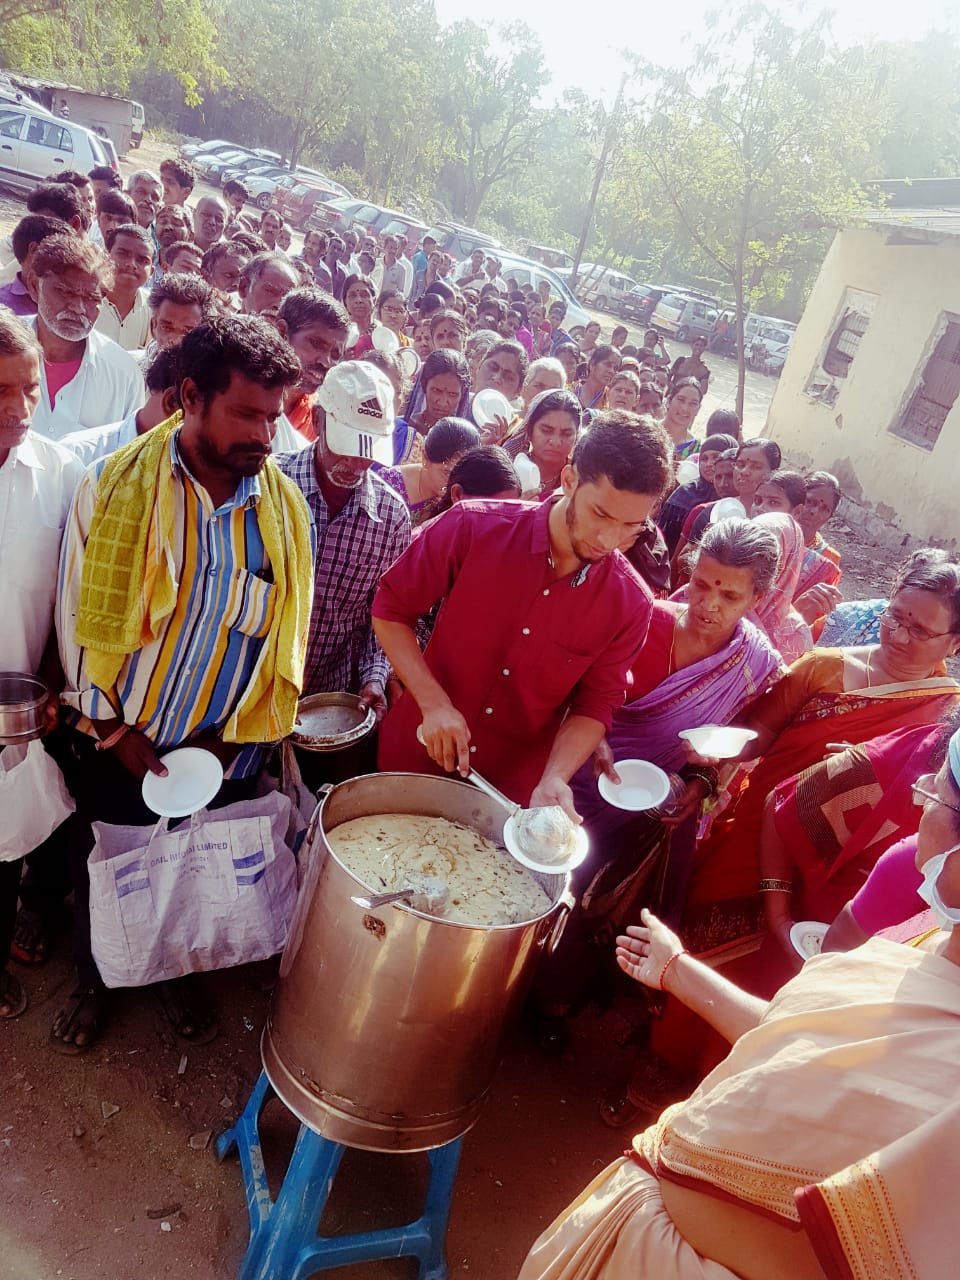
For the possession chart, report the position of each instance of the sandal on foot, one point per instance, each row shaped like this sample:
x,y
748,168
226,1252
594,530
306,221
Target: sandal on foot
x,y
617,1112
13,997
30,945
84,1014
186,1008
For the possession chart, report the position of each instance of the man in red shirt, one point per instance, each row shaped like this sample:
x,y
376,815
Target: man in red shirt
x,y
541,619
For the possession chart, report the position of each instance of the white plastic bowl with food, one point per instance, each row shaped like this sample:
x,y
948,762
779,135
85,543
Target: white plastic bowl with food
x,y
807,937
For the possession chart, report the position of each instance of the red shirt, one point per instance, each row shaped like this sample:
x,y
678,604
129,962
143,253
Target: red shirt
x,y
515,647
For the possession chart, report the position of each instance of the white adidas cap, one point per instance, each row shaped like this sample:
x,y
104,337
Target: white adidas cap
x,y
357,398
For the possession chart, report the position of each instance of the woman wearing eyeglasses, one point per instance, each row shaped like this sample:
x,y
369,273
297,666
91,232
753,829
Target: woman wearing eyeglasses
x,y
828,696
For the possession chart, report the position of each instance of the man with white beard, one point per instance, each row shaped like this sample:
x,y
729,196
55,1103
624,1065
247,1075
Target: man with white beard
x,y
87,379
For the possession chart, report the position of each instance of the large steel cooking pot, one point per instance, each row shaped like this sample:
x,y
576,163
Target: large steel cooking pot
x,y
385,1027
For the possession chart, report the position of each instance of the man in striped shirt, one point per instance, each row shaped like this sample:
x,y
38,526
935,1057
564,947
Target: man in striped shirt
x,y
184,685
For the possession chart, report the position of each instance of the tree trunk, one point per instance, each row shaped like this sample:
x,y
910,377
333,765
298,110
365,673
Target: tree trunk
x,y
741,354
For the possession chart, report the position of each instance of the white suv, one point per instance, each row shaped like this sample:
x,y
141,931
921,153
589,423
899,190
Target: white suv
x,y
35,145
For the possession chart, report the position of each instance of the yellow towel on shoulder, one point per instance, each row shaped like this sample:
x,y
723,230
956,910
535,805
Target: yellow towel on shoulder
x,y
129,586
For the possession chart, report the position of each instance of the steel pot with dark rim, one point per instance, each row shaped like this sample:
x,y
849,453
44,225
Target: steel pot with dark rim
x,y
386,1026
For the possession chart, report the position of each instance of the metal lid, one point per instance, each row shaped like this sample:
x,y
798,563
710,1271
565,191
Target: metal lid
x,y
331,721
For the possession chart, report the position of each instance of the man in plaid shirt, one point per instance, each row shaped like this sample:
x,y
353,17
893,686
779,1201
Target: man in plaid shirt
x,y
362,526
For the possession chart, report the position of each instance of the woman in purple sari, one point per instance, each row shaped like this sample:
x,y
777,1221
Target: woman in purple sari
x,y
702,663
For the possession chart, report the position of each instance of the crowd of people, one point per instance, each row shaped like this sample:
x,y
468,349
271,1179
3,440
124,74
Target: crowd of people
x,y
232,475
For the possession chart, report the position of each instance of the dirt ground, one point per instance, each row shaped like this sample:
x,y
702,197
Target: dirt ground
x,y
108,1167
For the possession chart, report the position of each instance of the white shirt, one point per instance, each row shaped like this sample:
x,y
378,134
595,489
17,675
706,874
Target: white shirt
x,y
288,439
133,332
99,442
37,484
106,388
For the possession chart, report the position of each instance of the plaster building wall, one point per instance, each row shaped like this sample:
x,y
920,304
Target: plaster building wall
x,y
887,294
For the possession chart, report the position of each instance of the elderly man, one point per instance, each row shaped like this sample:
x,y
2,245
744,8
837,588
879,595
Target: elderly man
x,y
146,192
208,651
37,482
316,328
541,620
125,314
29,233
362,526
209,221
221,267
264,283
87,379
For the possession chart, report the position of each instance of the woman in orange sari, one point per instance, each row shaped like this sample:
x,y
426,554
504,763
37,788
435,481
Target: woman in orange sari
x,y
828,695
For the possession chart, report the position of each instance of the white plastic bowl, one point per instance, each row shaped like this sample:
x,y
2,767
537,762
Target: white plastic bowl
x,y
194,777
385,339
489,405
718,741
807,937
642,786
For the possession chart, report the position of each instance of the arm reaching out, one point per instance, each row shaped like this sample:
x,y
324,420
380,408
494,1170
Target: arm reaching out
x,y
654,955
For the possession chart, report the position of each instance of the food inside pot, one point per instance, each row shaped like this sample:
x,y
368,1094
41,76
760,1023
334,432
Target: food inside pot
x,y
485,885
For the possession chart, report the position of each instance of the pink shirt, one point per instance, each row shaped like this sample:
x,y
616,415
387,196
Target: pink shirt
x,y
515,647
889,893
59,373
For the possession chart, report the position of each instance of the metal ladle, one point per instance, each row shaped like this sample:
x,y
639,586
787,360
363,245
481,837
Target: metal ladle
x,y
520,821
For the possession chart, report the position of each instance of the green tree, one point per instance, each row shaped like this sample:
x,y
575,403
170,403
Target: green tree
x,y
756,148
488,107
102,43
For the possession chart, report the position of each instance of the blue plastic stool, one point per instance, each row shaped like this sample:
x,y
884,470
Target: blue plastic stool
x,y
283,1233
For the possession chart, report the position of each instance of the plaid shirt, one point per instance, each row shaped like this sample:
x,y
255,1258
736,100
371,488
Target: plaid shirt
x,y
353,550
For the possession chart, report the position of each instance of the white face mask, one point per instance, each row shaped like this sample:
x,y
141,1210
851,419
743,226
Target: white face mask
x,y
946,916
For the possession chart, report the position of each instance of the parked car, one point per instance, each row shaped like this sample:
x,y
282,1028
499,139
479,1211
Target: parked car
x,y
406,228
337,214
602,287
525,271
35,144
212,165
684,316
547,256
641,301
756,325
270,189
194,149
303,201
249,167
460,242
768,345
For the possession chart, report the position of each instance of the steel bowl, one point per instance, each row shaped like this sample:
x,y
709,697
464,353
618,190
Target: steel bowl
x,y
22,702
331,722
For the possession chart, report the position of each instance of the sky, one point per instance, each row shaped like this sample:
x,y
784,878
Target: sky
x,y
582,41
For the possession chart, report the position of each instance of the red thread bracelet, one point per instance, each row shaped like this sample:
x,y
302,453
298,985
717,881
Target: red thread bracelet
x,y
663,971
112,739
